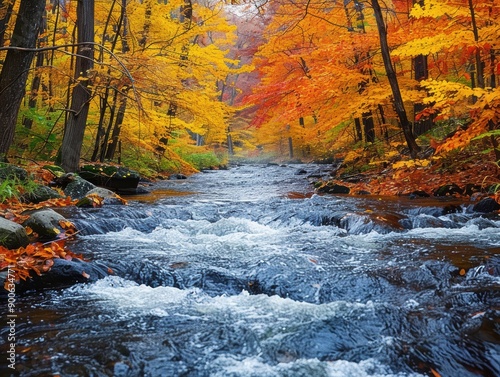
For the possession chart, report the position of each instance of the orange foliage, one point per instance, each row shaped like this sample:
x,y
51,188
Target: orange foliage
x,y
13,209
37,257
325,64
405,180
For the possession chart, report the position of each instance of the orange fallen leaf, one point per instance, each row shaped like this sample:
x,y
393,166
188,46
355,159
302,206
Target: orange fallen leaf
x,y
434,373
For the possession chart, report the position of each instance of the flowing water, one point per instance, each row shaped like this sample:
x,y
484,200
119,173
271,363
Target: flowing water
x,y
246,273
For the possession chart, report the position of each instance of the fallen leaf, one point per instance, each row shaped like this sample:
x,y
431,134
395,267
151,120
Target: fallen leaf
x,y
434,373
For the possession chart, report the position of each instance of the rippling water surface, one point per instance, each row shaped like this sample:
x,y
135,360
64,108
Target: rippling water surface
x,y
246,273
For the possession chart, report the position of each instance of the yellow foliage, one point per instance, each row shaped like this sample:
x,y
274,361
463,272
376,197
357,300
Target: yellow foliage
x,y
438,8
411,164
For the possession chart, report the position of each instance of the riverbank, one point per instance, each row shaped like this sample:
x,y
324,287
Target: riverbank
x,y
463,175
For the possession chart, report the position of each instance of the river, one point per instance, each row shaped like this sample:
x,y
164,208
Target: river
x,y
246,272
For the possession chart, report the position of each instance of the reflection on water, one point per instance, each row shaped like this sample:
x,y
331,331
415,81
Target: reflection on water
x,y
158,193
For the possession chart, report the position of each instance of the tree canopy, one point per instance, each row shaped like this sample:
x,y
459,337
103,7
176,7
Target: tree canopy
x,y
168,81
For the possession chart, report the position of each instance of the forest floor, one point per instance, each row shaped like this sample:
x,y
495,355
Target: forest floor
x,y
466,171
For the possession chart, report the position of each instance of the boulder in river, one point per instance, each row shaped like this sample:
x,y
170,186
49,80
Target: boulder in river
x,y
486,205
177,176
65,273
333,188
448,190
77,187
116,178
46,223
103,195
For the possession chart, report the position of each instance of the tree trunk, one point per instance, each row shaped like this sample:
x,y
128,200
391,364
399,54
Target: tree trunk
x,y
493,78
15,69
369,127
56,9
477,55
357,128
35,87
230,149
99,144
421,69
391,75
5,14
37,79
77,120
290,147
110,152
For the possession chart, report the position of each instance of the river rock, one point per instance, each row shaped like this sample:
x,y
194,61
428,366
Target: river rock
x,y
418,194
448,190
64,273
108,196
11,171
45,223
40,194
333,188
486,205
78,187
116,178
471,189
12,235
301,172
177,176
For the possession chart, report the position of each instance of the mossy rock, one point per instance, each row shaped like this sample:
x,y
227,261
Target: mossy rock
x,y
78,187
108,171
333,188
448,190
116,178
40,194
54,169
9,171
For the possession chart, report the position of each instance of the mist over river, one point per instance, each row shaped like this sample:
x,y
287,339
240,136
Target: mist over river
x,y
246,272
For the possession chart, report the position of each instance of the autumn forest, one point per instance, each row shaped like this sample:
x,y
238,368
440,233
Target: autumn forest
x,y
250,187
179,85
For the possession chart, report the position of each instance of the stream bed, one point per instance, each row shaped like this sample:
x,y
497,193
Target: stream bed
x,y
247,272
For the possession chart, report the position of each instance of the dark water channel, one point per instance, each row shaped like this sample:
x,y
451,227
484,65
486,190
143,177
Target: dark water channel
x,y
244,273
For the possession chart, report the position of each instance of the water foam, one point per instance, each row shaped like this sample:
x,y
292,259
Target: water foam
x,y
126,297
229,366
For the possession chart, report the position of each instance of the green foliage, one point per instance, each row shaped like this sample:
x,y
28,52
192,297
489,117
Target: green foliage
x,y
41,141
145,163
8,189
493,189
199,160
494,133
13,187
149,164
